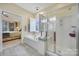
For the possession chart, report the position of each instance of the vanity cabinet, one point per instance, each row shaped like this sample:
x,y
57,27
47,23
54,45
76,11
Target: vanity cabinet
x,y
10,30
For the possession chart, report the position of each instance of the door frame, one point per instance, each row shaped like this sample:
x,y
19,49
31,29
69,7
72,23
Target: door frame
x,y
19,17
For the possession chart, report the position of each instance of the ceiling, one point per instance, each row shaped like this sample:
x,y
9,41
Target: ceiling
x,y
34,7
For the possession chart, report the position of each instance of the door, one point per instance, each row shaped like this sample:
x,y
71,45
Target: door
x,y
51,36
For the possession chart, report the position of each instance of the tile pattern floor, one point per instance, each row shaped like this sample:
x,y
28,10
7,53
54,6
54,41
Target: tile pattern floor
x,y
11,43
20,50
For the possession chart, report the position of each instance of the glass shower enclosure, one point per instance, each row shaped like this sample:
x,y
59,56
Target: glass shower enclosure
x,y
51,36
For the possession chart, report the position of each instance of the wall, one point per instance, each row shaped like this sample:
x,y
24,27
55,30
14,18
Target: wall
x,y
0,34
66,45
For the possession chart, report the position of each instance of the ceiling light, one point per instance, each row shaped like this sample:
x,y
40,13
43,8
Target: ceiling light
x,y
41,13
37,8
53,19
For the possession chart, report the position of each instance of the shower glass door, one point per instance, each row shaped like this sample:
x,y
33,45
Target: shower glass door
x,y
51,35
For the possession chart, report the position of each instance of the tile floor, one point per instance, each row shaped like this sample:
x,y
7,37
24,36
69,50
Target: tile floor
x,y
19,50
11,43
16,48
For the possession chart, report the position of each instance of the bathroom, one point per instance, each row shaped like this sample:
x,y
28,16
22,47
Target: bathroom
x,y
51,31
